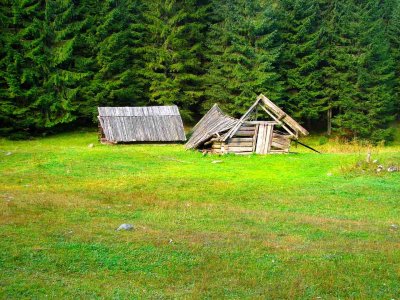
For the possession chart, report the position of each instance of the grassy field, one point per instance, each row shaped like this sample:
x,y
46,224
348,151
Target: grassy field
x,y
297,226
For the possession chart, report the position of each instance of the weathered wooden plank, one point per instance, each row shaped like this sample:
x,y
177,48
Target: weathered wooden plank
x,y
255,138
282,115
261,122
247,128
279,146
244,133
213,122
240,149
268,139
240,144
240,139
260,139
281,139
138,111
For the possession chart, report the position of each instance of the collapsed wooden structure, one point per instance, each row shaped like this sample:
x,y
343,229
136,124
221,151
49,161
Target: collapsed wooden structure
x,y
140,124
219,133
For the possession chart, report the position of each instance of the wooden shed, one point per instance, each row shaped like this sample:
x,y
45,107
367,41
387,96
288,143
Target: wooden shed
x,y
140,124
219,133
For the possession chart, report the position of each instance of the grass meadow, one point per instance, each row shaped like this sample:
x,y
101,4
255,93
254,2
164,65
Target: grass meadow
x,y
296,226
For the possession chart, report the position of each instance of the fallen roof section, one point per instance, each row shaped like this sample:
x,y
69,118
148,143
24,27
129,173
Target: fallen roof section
x,y
214,122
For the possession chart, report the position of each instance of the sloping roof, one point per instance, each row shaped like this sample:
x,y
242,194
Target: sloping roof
x,y
142,124
139,111
275,112
213,122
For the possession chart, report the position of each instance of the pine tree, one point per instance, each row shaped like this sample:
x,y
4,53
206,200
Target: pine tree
x,y
23,64
173,52
392,16
366,96
43,69
242,53
6,78
119,57
300,63
68,67
338,58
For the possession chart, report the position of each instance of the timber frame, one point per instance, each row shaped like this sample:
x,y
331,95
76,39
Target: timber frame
x,y
219,133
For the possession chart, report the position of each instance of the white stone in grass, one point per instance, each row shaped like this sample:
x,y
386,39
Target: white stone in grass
x,y
394,226
217,161
393,169
375,161
329,174
8,153
125,227
91,145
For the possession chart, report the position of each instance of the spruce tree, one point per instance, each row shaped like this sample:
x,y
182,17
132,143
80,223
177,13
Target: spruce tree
x,y
23,65
366,96
392,16
300,63
119,80
173,52
69,61
242,53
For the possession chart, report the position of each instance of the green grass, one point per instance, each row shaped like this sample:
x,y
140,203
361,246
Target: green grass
x,y
297,226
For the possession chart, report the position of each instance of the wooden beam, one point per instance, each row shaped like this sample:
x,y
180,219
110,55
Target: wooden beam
x,y
282,115
279,122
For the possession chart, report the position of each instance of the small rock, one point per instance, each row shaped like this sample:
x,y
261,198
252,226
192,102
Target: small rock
x,y
171,241
217,161
91,145
329,174
8,153
125,227
394,226
375,161
379,168
393,169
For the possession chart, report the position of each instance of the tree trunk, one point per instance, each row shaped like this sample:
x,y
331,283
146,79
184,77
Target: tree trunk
x,y
329,122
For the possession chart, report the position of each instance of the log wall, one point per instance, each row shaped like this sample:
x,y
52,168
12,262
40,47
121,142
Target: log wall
x,y
244,142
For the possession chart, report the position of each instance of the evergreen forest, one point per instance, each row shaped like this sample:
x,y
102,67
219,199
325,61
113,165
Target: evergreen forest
x,y
334,65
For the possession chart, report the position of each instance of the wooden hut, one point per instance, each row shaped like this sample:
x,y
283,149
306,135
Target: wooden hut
x,y
219,133
140,124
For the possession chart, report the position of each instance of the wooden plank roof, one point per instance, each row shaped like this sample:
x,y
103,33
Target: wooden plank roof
x,y
139,111
142,124
215,121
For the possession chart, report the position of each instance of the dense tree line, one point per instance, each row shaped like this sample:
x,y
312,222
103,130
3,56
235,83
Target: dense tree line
x,y
333,64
